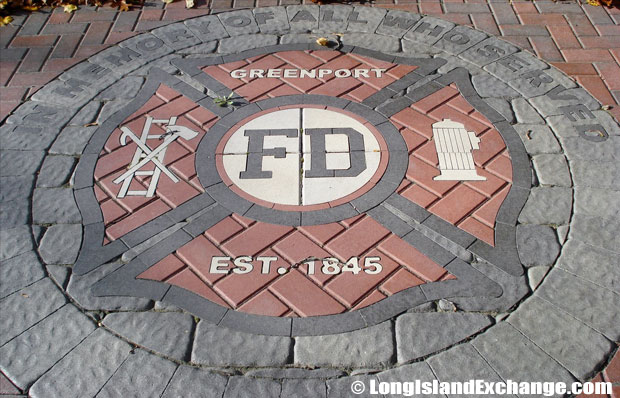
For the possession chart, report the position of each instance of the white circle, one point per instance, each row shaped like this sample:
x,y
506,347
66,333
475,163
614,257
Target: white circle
x,y
274,165
282,270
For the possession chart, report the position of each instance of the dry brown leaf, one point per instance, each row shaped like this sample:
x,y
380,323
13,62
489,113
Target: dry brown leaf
x,y
6,20
322,41
69,7
189,3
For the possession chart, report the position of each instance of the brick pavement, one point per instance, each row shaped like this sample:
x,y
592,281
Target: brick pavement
x,y
579,39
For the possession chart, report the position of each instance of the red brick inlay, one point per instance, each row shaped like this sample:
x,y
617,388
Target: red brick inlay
x,y
235,242
470,205
351,88
122,215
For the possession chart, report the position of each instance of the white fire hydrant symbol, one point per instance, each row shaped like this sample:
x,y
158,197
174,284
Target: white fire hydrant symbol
x,y
454,145
145,154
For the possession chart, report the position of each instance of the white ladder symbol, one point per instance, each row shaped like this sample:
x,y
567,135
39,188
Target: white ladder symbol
x,y
145,154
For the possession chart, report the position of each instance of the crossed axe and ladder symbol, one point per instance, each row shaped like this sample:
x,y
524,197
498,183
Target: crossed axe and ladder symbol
x,y
145,154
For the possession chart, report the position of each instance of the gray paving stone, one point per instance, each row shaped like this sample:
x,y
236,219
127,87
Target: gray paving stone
x,y
15,241
237,348
562,231
537,139
396,23
61,244
14,213
303,18
241,22
596,202
564,127
15,188
525,113
578,297
417,371
502,107
30,355
552,169
334,18
537,245
366,347
591,173
515,64
176,36
535,276
59,273
17,163
207,28
112,57
596,231
459,39
551,103
554,331
199,50
110,108
514,289
341,387
456,62
241,43
372,42
126,88
141,375
603,151
74,94
490,86
98,356
295,373
165,332
54,206
594,264
189,382
526,359
488,51
429,31
271,19
304,388
38,114
19,272
462,363
72,140
547,205
55,172
243,387
443,330
79,288
27,307
163,63
26,138
87,114
365,19
538,82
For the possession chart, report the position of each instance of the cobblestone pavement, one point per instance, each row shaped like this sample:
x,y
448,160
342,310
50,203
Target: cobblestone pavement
x,y
417,200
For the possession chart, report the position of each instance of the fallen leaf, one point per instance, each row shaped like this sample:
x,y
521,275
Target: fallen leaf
x,y
167,1
6,20
91,124
30,8
69,7
123,6
593,3
25,295
606,107
189,3
322,41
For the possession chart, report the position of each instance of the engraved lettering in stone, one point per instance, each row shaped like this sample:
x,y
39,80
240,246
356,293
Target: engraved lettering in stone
x,y
256,151
537,77
238,21
43,114
328,16
454,146
592,132
456,38
303,15
144,154
178,35
512,63
94,71
72,87
426,27
399,22
124,55
578,111
149,44
354,17
203,27
490,51
559,93
357,157
263,17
